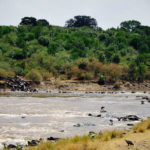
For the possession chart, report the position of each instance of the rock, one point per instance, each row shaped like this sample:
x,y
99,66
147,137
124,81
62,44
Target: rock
x,y
145,97
142,102
35,90
11,146
103,111
116,86
89,124
33,142
77,125
130,124
23,117
102,92
52,139
129,118
148,100
99,115
90,114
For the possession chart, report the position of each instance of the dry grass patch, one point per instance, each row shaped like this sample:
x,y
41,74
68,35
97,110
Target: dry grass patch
x,y
142,126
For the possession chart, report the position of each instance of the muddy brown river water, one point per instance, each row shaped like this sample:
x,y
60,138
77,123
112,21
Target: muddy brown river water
x,y
25,117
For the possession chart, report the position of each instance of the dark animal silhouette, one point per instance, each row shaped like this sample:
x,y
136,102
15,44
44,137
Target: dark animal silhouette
x,y
129,142
111,122
52,139
102,108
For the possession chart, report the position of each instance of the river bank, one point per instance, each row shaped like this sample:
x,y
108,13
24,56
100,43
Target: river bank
x,y
138,138
71,85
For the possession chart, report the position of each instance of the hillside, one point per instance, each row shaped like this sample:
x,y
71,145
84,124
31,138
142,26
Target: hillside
x,y
39,52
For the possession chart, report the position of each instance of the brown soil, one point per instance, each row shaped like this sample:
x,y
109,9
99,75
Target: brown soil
x,y
74,85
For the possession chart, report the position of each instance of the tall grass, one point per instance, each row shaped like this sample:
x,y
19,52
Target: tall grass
x,y
142,126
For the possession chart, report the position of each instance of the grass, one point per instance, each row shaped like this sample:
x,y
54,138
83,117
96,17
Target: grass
x,y
142,126
109,140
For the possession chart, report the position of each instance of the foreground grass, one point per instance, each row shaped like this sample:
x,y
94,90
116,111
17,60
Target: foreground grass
x,y
109,140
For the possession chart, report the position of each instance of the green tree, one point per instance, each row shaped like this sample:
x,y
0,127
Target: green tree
x,y
80,21
42,22
141,70
53,48
43,40
28,21
130,25
116,59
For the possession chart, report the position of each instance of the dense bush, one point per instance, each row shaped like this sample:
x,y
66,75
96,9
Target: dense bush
x,y
3,73
34,75
43,40
101,80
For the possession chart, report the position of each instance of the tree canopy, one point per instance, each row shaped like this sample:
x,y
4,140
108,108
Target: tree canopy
x,y
130,25
80,21
28,21
33,21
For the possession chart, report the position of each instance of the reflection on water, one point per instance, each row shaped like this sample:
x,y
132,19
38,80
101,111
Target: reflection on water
x,y
31,118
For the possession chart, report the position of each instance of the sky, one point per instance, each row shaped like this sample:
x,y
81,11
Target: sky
x,y
108,13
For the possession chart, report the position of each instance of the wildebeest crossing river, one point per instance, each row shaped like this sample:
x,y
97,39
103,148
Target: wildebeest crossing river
x,y
65,115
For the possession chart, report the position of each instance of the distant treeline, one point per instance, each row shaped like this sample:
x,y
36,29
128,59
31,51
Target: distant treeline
x,y
80,50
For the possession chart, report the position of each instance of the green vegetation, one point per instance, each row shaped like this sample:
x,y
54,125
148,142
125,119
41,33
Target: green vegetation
x,y
80,50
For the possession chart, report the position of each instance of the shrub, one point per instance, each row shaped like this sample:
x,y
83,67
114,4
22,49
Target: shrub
x,y
46,75
113,72
116,85
3,74
43,40
34,76
89,76
101,80
78,73
82,65
116,59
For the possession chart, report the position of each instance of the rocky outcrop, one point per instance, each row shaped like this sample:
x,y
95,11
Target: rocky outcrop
x,y
52,139
33,142
129,118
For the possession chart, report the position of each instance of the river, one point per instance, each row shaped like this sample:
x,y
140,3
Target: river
x,y
24,118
